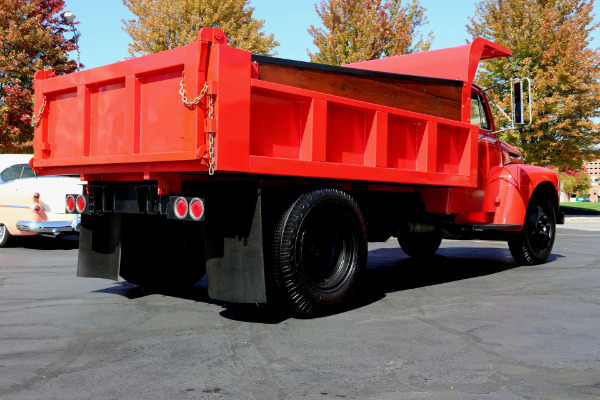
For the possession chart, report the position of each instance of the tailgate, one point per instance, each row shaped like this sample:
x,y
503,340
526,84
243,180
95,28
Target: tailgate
x,y
131,112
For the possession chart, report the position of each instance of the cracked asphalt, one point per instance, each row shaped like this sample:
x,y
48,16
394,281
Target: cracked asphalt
x,y
468,324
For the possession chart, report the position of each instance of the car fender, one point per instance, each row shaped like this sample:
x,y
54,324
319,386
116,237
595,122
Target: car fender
x,y
19,205
516,186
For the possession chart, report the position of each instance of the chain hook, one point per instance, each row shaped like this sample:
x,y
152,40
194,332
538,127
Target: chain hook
x,y
211,115
186,101
35,120
211,138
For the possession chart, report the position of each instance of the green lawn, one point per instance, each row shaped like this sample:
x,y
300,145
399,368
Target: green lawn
x,y
587,206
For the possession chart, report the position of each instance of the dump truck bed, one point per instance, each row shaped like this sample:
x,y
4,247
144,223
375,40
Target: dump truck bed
x,y
127,121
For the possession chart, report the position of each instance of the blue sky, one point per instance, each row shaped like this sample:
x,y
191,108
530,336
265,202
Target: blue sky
x,y
103,41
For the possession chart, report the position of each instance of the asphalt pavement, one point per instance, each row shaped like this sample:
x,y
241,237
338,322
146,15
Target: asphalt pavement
x,y
467,324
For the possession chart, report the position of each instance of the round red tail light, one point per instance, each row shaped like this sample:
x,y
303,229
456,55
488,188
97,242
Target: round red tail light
x,y
70,204
80,204
36,196
181,208
37,208
196,209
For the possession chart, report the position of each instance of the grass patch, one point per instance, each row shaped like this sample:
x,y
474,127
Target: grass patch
x,y
583,205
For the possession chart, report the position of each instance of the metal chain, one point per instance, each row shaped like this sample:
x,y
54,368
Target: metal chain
x,y
186,101
211,115
211,108
211,138
35,121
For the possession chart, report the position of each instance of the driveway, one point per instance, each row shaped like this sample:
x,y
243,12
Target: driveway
x,y
468,324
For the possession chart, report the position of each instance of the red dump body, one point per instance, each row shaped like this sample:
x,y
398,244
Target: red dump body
x,y
128,119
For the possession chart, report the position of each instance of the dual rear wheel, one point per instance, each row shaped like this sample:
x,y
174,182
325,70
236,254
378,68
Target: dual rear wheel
x,y
320,251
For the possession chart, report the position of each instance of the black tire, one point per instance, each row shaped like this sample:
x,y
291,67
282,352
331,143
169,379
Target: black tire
x,y
533,244
420,244
320,251
4,235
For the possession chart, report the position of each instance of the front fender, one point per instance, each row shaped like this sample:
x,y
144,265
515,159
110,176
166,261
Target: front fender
x,y
516,186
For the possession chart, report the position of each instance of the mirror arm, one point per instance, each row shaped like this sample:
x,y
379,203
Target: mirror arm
x,y
530,101
494,87
503,113
513,126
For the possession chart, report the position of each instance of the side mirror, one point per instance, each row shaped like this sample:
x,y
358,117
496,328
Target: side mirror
x,y
518,88
517,105
520,103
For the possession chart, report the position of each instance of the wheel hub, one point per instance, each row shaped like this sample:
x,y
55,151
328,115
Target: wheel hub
x,y
324,256
541,231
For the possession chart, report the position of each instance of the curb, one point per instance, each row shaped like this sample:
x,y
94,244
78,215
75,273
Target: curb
x,y
582,218
579,212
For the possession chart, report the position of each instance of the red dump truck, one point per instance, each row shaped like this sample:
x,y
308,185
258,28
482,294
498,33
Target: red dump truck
x,y
270,176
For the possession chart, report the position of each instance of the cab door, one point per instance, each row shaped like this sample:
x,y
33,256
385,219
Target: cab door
x,y
479,202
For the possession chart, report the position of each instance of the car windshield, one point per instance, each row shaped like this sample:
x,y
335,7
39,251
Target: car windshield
x,y
17,171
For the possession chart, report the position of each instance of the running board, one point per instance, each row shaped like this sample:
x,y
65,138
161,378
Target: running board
x,y
489,227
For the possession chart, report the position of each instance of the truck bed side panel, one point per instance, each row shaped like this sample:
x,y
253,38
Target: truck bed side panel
x,y
309,133
123,113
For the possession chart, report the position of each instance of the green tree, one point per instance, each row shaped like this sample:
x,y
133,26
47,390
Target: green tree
x,y
32,38
360,30
575,182
550,40
166,24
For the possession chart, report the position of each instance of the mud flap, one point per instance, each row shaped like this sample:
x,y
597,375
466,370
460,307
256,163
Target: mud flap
x,y
99,246
234,258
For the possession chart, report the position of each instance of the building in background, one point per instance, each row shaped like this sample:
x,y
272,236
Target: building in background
x,y
593,168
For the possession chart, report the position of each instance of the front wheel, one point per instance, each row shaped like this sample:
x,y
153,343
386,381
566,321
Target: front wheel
x,y
4,235
533,244
320,251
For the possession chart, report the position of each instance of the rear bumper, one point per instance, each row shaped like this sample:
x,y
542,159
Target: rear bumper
x,y
50,227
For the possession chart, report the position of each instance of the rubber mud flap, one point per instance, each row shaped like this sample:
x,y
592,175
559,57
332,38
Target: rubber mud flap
x,y
99,246
234,254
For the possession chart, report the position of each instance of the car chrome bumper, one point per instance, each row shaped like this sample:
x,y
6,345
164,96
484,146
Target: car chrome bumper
x,y
50,227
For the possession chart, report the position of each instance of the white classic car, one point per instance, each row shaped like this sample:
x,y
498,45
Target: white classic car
x,y
30,204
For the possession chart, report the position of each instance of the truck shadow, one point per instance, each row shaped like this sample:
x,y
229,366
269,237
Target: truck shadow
x,y
40,242
389,270
198,292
